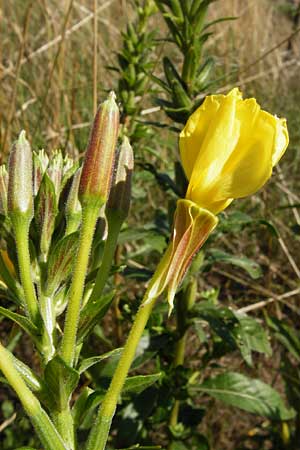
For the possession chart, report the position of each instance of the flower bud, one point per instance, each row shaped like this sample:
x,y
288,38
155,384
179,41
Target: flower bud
x,y
192,226
20,189
55,171
45,213
99,158
40,164
3,189
73,206
120,193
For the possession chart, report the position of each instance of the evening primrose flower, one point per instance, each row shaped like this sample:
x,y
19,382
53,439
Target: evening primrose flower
x,y
228,149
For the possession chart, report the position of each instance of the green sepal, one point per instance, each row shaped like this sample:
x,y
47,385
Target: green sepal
x,y
61,380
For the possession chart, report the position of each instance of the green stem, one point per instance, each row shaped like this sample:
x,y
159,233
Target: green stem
x,y
89,218
99,433
114,226
21,232
45,429
65,425
184,304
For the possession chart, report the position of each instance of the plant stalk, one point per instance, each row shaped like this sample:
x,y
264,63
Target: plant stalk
x,y
21,232
45,429
89,219
184,304
99,433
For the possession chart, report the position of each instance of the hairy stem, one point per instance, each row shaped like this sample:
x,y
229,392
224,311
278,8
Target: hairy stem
x,y
45,429
89,218
21,231
99,434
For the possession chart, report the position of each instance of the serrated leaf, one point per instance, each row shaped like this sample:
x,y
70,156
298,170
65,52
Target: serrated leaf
x,y
61,380
89,362
60,262
251,395
251,267
139,383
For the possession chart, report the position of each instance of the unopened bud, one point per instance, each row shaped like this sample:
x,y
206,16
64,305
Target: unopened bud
x,y
99,158
73,206
45,214
55,171
40,164
20,189
120,193
3,190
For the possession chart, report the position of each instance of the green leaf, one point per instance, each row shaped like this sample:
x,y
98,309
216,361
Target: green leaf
x,y
237,330
61,380
286,335
60,262
251,395
139,383
92,313
22,321
251,267
89,362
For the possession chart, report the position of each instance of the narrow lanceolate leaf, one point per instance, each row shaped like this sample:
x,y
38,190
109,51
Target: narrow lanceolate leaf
x,y
250,266
20,192
61,380
139,383
60,262
99,158
89,362
92,313
45,212
22,321
252,395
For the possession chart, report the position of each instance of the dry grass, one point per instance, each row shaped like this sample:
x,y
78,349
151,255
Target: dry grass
x,y
50,69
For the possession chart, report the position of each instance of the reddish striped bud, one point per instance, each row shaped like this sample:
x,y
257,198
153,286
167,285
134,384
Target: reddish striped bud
x,y
99,158
20,187
120,193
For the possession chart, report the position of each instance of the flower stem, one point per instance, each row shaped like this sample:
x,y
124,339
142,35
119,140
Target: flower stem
x,y
99,433
45,429
89,218
21,232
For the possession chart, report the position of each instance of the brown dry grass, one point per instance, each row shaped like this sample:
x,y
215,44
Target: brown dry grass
x,y
47,57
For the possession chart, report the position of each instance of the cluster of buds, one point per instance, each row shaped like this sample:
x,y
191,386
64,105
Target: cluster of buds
x,y
54,191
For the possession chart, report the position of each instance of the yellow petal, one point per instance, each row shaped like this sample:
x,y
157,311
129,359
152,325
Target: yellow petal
x,y
281,140
192,135
218,144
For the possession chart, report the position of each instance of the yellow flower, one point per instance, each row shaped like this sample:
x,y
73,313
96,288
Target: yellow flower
x,y
228,148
